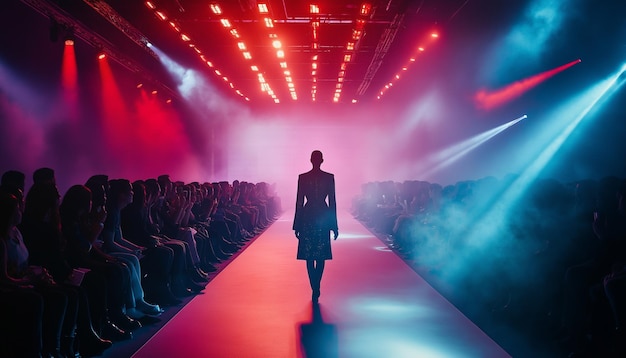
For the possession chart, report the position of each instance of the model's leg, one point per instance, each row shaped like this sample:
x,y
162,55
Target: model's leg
x,y
319,269
310,269
316,279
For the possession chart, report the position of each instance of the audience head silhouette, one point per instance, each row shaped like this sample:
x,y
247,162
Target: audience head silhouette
x,y
44,175
13,179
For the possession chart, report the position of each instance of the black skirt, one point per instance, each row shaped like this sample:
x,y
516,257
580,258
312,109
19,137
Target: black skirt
x,y
314,243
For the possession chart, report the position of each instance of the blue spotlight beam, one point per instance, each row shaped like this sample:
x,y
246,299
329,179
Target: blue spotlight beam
x,y
490,226
450,155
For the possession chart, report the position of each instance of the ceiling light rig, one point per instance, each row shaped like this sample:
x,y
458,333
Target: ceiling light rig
x,y
186,39
351,47
245,52
434,35
315,46
280,52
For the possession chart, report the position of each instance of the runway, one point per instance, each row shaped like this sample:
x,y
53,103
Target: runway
x,y
372,305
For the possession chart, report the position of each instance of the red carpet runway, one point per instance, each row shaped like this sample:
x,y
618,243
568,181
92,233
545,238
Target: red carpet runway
x,y
372,305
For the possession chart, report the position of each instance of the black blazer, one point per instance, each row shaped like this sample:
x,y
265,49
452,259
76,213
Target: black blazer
x,y
316,186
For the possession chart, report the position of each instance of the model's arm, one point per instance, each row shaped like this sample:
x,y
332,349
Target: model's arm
x,y
332,204
299,205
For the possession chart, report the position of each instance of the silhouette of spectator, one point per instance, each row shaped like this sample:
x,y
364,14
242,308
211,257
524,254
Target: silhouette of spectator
x,y
158,259
119,196
13,179
80,231
41,228
185,279
16,271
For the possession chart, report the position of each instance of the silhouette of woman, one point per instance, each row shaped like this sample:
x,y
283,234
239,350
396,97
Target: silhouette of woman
x,y
315,219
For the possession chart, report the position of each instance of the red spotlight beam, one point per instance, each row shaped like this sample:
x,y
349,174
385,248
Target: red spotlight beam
x,y
69,81
490,100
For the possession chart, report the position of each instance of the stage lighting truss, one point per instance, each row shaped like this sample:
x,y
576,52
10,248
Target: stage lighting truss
x,y
61,20
277,45
314,10
433,36
234,32
174,26
351,47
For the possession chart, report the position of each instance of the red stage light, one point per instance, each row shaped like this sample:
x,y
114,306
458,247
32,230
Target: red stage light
x,y
262,8
150,5
216,9
161,15
365,9
489,100
102,56
314,9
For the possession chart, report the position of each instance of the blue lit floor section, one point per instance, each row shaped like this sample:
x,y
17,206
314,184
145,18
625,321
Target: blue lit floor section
x,y
372,305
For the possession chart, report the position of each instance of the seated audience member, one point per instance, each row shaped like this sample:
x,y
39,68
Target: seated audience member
x,y
41,229
159,258
119,196
80,231
172,212
185,279
57,319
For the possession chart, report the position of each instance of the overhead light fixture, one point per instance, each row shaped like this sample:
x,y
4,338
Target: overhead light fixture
x,y
161,15
365,9
69,36
217,10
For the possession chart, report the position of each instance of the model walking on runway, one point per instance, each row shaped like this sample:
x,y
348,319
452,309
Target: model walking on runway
x,y
315,218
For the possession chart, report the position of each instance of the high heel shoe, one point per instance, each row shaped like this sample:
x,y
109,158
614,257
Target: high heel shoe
x,y
149,309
